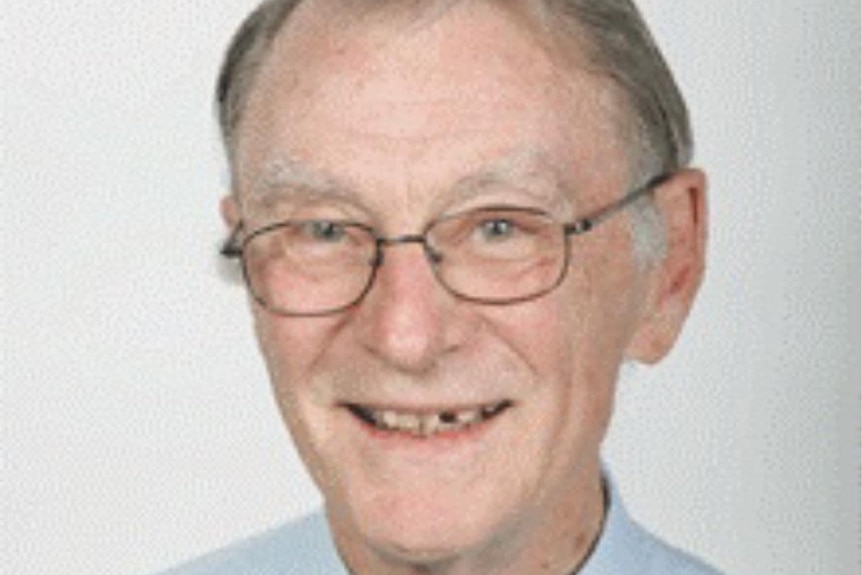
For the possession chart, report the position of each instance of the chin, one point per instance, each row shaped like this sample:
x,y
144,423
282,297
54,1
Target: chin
x,y
424,531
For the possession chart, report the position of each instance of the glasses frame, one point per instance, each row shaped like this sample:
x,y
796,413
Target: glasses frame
x,y
233,248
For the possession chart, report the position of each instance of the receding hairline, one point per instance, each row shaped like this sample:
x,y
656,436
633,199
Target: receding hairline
x,y
561,39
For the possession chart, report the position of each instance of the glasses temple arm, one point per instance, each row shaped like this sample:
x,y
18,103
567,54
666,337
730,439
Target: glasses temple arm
x,y
588,223
231,248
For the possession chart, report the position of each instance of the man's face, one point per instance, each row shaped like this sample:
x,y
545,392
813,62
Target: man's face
x,y
406,124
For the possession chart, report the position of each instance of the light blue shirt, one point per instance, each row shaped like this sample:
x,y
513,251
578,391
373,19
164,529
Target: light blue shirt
x,y
305,547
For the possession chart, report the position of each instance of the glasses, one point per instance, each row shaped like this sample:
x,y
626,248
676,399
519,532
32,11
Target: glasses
x,y
490,255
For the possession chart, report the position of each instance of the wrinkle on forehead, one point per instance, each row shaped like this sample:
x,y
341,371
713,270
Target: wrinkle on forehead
x,y
490,43
363,96
527,171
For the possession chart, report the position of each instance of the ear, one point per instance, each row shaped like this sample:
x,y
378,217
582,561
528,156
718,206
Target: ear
x,y
673,282
227,268
229,211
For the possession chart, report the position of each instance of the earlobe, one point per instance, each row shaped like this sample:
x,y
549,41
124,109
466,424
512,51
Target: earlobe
x,y
675,280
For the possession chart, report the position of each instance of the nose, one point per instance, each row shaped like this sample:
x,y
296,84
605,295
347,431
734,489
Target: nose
x,y
407,318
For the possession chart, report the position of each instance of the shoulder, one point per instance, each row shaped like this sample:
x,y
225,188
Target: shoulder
x,y
661,558
303,547
626,548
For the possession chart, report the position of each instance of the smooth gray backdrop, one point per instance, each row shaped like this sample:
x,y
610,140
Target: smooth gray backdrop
x,y
138,425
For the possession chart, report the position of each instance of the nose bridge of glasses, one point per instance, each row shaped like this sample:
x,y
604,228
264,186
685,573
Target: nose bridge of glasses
x,y
433,256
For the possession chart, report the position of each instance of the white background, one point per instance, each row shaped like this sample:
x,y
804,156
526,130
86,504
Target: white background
x,y
138,425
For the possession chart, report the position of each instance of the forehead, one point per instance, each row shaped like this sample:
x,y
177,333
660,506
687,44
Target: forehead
x,y
425,101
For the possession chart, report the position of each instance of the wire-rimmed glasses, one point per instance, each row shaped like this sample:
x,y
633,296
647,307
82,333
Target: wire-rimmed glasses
x,y
494,255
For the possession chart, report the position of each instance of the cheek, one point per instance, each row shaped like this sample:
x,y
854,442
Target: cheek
x,y
606,292
573,340
570,331
568,404
292,346
556,339
293,349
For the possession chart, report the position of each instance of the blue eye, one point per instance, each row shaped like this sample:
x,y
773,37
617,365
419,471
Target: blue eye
x,y
497,229
325,230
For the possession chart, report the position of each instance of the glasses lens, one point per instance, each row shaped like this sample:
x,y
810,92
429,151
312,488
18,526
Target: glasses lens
x,y
499,255
309,267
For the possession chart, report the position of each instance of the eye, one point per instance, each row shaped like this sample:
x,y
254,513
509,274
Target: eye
x,y
325,231
497,229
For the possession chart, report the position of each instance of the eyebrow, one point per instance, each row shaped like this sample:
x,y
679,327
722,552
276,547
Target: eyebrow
x,y
527,171
286,178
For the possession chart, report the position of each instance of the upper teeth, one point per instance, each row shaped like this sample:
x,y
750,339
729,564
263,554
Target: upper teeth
x,y
425,424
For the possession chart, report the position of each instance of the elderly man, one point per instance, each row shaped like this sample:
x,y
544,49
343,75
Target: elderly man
x,y
456,219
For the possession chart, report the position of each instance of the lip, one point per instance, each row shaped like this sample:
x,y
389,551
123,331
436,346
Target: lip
x,y
424,409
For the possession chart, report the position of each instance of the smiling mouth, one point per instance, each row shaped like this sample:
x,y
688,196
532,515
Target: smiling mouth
x,y
427,423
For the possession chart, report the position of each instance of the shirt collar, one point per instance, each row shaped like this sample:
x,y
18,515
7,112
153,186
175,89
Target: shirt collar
x,y
614,553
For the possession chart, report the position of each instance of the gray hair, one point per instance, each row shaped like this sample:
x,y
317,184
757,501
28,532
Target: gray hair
x,y
618,44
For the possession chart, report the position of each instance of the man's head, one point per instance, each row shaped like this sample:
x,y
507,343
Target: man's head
x,y
611,33
444,431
